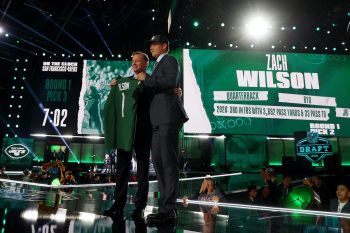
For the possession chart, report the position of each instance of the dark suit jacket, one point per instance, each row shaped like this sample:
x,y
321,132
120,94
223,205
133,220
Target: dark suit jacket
x,y
166,107
334,206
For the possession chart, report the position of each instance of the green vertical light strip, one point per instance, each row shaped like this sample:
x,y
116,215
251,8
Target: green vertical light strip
x,y
275,152
86,153
4,221
75,147
39,151
100,151
344,149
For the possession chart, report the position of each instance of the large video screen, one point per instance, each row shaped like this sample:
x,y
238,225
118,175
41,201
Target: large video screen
x,y
266,93
69,96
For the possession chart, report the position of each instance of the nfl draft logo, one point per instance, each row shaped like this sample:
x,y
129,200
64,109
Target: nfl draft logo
x,y
312,137
17,151
313,147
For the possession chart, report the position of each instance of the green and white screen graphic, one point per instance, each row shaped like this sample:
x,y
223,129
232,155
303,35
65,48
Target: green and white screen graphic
x,y
96,77
240,92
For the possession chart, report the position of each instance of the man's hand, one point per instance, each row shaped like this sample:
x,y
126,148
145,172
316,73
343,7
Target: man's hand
x,y
141,76
265,175
178,91
307,182
113,82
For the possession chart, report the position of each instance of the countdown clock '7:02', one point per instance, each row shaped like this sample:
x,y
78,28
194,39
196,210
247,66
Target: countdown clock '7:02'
x,y
56,117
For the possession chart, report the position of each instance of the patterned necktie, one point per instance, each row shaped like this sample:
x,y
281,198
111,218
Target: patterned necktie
x,y
155,65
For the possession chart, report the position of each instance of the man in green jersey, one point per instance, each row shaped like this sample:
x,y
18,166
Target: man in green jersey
x,y
124,138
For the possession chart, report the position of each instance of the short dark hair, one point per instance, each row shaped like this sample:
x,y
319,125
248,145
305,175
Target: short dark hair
x,y
344,183
251,187
144,56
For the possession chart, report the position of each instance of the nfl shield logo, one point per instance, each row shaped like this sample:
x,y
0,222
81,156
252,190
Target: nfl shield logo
x,y
312,137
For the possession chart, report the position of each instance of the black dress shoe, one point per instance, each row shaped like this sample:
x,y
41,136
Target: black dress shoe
x,y
161,217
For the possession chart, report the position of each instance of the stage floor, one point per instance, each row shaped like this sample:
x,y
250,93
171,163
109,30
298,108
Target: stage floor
x,y
31,208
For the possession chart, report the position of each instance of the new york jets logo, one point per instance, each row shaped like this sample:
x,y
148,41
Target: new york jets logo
x,y
17,151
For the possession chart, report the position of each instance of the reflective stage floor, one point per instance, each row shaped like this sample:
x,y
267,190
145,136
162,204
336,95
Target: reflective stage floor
x,y
44,209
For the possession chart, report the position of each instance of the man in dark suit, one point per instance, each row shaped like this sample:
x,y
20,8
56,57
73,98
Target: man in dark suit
x,y
341,204
167,117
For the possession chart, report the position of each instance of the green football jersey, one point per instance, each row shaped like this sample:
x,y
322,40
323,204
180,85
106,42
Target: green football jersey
x,y
120,114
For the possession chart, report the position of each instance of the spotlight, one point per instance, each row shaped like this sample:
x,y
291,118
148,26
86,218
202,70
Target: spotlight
x,y
81,55
231,45
1,30
7,35
101,55
314,48
63,55
44,54
257,27
195,24
252,46
187,43
283,28
318,29
209,44
328,32
326,48
119,55
222,24
273,47
294,27
293,47
334,49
